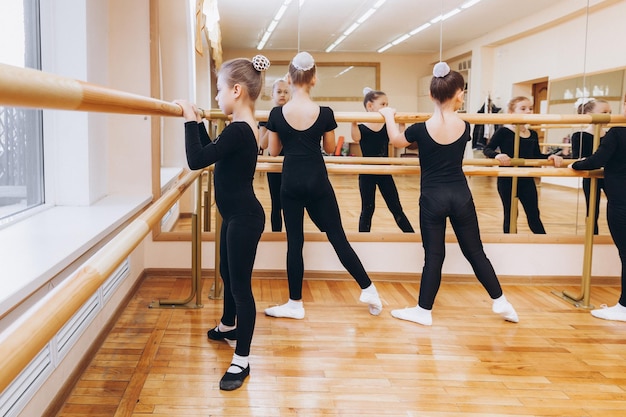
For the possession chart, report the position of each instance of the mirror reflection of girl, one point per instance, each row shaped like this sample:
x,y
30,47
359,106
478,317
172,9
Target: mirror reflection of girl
x,y
445,195
374,142
234,153
611,154
297,128
582,146
280,96
500,147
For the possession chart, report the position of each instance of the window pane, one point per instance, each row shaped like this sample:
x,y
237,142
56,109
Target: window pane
x,y
21,144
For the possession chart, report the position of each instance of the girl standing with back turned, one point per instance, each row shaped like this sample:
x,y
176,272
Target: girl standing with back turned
x,y
445,194
297,129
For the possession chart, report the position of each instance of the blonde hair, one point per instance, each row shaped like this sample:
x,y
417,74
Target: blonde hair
x,y
589,106
513,102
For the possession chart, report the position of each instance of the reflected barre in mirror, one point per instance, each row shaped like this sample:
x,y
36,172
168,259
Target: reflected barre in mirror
x,y
562,207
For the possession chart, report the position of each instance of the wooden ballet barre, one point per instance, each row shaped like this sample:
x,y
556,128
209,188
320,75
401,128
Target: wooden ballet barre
x,y
557,145
470,170
26,87
354,160
473,118
24,339
411,161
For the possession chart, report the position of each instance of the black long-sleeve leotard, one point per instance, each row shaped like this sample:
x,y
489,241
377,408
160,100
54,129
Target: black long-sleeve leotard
x,y
234,153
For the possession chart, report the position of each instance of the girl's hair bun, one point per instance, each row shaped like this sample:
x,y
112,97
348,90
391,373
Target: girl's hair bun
x,y
260,63
367,90
303,61
441,69
581,101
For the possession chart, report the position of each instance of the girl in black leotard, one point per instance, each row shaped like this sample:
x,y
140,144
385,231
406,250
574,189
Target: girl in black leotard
x,y
280,96
375,143
297,128
582,146
611,154
234,154
445,194
501,148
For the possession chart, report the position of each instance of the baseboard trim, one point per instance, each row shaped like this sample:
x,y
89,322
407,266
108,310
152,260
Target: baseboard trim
x,y
404,277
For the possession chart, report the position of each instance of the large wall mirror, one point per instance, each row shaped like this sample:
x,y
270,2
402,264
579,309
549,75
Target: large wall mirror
x,y
554,54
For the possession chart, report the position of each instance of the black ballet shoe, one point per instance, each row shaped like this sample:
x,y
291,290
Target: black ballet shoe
x,y
230,382
229,337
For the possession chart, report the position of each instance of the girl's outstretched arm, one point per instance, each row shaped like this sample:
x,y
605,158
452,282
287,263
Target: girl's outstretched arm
x,y
396,137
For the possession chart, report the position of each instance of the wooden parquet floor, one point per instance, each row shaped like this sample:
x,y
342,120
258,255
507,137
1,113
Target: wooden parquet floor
x,y
340,361
562,209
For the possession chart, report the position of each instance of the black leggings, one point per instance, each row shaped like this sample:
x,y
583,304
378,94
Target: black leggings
x,y
274,179
454,202
527,195
616,216
306,186
587,191
387,187
239,239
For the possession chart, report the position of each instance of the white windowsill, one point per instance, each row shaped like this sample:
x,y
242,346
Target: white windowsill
x,y
36,249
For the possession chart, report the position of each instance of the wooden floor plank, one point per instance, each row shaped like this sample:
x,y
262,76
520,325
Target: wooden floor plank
x,y
341,361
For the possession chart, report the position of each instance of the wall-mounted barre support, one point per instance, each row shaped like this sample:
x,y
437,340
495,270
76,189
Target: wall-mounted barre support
x,y
196,259
583,299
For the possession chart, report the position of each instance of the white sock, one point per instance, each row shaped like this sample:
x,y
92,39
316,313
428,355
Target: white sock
x,y
294,304
415,314
500,301
370,290
238,360
224,328
502,307
620,307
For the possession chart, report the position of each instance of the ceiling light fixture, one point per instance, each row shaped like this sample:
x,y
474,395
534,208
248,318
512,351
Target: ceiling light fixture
x,y
356,24
274,23
426,25
469,4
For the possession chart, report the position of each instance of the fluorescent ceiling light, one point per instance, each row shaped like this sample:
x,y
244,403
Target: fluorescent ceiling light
x,y
419,29
366,15
272,26
384,48
274,23
450,14
351,29
344,71
469,4
280,12
401,39
334,44
436,19
356,24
